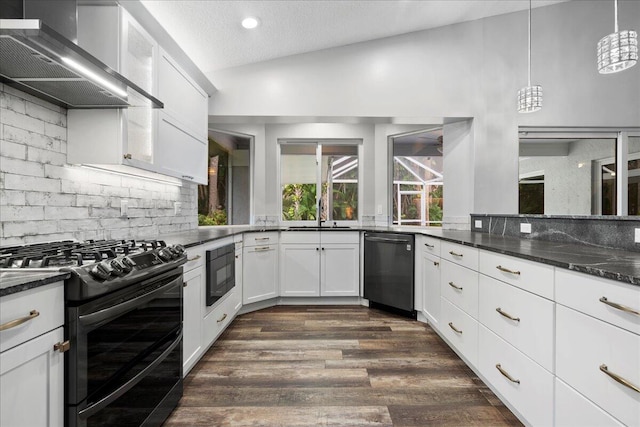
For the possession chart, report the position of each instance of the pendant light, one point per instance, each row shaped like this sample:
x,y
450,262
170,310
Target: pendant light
x,y
619,50
529,97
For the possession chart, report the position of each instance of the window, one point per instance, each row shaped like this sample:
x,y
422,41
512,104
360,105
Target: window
x,y
417,190
319,178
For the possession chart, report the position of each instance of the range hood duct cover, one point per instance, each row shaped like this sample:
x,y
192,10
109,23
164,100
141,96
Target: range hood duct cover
x,y
40,61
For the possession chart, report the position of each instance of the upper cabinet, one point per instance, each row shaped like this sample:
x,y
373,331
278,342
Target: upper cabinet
x,y
170,141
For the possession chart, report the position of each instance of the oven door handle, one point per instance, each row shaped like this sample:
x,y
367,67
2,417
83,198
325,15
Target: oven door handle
x,y
107,400
116,310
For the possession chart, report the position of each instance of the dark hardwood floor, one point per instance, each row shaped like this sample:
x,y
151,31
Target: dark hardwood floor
x,y
334,366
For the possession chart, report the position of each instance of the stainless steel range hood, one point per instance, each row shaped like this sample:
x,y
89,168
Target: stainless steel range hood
x,y
40,61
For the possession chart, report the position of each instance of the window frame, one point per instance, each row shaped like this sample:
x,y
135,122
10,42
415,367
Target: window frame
x,y
318,145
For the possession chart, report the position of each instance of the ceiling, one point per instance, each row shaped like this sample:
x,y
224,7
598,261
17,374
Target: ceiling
x,y
211,35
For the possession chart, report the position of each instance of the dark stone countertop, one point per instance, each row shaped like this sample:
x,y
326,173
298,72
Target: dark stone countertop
x,y
18,280
623,266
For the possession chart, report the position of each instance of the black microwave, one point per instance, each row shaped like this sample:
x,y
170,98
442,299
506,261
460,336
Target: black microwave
x,y
221,274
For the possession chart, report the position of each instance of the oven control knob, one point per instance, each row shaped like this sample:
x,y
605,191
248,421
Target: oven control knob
x,y
128,263
179,249
100,272
165,255
118,268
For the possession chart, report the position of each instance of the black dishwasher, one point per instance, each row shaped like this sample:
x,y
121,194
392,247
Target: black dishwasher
x,y
388,272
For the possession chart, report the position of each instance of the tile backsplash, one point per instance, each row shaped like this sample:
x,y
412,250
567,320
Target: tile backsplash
x,y
43,198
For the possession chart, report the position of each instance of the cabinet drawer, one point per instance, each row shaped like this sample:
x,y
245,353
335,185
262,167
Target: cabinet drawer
x,y
217,320
528,275
460,286
46,300
460,254
195,258
530,389
260,239
574,410
583,292
532,333
460,329
584,346
428,244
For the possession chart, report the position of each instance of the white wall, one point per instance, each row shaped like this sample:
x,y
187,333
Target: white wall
x,y
472,69
42,198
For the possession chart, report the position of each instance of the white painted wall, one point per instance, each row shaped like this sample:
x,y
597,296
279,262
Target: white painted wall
x,y
472,69
43,198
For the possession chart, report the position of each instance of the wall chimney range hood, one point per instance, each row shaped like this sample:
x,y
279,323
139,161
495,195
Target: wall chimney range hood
x,y
37,59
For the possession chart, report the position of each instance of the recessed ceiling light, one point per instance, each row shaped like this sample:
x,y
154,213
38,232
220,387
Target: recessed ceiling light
x,y
250,22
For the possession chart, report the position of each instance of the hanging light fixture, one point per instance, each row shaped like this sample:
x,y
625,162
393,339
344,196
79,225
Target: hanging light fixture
x,y
529,97
619,50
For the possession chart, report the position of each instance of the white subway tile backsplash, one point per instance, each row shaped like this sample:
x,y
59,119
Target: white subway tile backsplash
x,y
30,183
65,201
22,167
12,150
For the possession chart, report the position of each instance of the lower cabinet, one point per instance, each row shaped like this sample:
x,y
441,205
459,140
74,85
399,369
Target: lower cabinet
x,y
299,270
340,269
192,318
430,266
259,273
32,383
574,410
218,318
519,380
460,329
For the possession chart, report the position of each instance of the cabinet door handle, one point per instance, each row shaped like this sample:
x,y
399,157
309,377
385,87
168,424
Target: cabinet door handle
x,y
456,254
436,263
224,316
506,374
429,246
262,249
507,315
187,177
506,270
619,379
127,156
13,323
62,346
619,306
262,238
454,328
194,258
453,285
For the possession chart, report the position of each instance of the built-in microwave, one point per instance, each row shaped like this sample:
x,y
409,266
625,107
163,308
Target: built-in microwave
x,y
221,275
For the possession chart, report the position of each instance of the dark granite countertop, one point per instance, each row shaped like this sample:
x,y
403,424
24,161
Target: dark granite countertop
x,y
18,280
623,266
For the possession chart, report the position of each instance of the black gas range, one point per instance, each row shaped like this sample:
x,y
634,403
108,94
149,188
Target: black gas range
x,y
124,311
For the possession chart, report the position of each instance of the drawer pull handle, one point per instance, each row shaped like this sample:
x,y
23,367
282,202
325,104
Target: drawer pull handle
x,y
262,238
13,323
429,246
436,263
194,258
262,249
507,315
62,346
454,286
619,379
454,328
506,374
506,270
456,254
224,316
619,306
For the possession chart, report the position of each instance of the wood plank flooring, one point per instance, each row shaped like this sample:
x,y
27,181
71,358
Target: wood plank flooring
x,y
334,366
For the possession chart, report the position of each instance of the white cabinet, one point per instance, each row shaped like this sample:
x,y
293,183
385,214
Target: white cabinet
x,y
596,358
528,275
31,360
574,410
519,380
319,264
182,145
192,318
260,267
460,330
459,285
430,269
218,318
171,141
